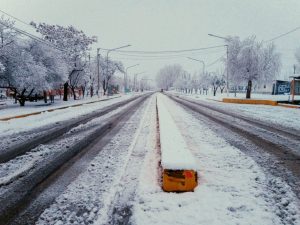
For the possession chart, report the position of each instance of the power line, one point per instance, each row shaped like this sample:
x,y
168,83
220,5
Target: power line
x,y
26,33
32,36
179,55
214,62
167,51
282,35
22,21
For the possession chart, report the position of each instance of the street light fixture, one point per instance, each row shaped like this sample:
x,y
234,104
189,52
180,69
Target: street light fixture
x,y
108,51
201,61
125,74
227,61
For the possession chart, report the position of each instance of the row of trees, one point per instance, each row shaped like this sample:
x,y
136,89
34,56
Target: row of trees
x,y
175,76
29,66
248,61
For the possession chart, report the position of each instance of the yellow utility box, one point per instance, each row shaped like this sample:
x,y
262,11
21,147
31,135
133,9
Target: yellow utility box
x,y
179,180
250,101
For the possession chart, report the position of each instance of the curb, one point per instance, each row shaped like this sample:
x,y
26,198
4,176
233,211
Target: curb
x,y
258,102
289,106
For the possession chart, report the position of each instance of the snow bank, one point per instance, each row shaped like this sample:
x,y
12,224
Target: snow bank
x,y
175,154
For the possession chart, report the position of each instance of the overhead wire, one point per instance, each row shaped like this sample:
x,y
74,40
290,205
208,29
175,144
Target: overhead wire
x,y
168,55
20,31
214,62
282,35
22,21
165,51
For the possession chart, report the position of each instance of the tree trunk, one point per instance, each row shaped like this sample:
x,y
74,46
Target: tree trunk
x,y
66,85
249,87
22,101
83,91
45,96
104,87
215,91
73,91
92,91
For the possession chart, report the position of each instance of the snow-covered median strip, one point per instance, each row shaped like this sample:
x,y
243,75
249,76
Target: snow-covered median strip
x,y
175,154
178,163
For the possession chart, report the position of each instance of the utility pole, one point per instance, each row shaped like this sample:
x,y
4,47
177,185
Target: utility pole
x,y
227,78
125,76
98,71
108,51
135,79
227,61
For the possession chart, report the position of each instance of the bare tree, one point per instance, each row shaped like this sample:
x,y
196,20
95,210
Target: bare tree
x,y
250,61
167,76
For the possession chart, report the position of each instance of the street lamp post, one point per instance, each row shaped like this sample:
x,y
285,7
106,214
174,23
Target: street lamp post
x,y
108,51
98,71
125,74
227,61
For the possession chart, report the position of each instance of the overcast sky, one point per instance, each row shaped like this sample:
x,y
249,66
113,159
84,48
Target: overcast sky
x,y
155,25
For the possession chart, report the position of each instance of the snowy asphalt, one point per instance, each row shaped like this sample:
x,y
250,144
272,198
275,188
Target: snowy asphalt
x,y
281,144
248,170
42,135
20,192
275,149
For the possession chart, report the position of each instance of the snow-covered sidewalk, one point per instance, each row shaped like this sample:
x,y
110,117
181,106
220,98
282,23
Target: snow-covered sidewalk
x,y
231,190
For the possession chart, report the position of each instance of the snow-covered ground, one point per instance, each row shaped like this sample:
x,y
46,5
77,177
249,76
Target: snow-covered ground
x,y
14,126
287,117
126,172
219,96
90,196
231,186
40,155
175,154
10,109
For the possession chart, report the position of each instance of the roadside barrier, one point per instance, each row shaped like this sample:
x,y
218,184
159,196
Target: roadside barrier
x,y
250,101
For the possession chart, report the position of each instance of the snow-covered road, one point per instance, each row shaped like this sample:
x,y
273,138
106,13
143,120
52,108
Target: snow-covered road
x,y
118,181
233,188
20,176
